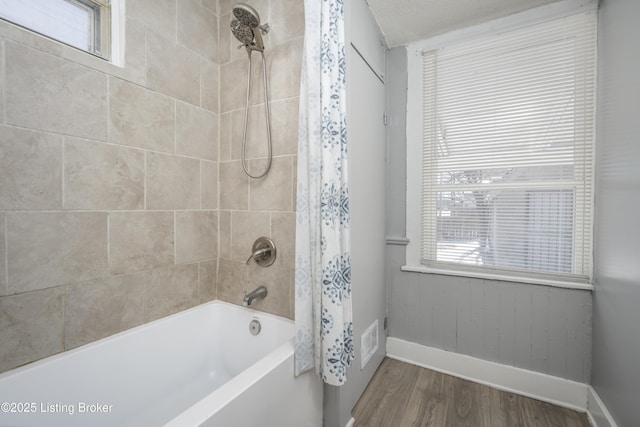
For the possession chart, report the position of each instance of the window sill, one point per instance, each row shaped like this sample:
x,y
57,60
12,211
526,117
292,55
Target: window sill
x,y
502,277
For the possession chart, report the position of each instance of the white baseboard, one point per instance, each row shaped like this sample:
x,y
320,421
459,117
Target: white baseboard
x,y
599,415
350,422
558,391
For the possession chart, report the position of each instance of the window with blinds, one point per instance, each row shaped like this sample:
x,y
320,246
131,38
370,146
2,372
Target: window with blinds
x,y
508,148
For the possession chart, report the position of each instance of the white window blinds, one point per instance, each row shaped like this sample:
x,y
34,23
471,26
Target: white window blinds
x,y
508,128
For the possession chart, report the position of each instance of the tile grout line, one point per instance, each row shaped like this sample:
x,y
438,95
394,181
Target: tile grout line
x,y
3,70
108,243
64,318
144,207
5,261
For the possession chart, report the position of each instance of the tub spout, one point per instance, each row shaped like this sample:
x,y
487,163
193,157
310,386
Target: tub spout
x,y
257,293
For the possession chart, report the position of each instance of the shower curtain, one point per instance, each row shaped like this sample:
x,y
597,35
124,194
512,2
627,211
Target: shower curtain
x,y
324,329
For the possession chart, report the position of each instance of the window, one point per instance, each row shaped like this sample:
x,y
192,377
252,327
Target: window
x,y
84,24
508,129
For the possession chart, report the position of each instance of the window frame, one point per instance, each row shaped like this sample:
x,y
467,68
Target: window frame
x,y
106,31
414,131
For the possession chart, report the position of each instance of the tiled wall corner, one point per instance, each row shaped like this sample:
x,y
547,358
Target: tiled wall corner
x,y
252,208
122,197
109,190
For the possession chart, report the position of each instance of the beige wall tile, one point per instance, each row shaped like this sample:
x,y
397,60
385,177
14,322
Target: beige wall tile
x,y
286,18
134,69
196,132
233,85
198,28
224,234
294,191
141,118
209,186
157,15
3,256
273,192
31,327
283,233
49,93
246,227
170,290
230,275
49,249
101,176
31,165
207,276
284,126
100,308
236,131
172,182
284,64
234,186
196,236
210,94
2,78
212,5
226,6
225,37
257,141
225,137
257,78
172,69
140,241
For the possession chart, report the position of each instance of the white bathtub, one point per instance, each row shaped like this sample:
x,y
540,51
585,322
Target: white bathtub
x,y
200,367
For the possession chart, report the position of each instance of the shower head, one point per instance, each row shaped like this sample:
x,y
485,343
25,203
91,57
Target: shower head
x,y
246,27
246,15
242,32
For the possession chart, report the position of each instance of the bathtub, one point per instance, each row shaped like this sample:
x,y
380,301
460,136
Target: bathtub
x,y
200,367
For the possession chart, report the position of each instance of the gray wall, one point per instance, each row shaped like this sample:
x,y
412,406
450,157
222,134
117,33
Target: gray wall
x,y
533,327
367,149
616,319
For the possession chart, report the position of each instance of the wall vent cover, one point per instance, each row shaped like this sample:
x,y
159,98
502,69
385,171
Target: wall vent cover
x,y
368,344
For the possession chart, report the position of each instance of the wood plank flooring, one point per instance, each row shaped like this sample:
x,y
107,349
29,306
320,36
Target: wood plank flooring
x,y
401,394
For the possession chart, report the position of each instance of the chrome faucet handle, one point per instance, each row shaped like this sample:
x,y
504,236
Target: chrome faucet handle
x,y
263,252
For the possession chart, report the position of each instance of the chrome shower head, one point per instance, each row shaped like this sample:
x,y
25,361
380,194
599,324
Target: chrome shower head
x,y
242,32
246,15
246,27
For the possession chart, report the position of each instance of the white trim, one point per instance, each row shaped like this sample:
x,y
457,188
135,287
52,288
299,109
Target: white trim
x,y
502,277
118,24
558,391
350,422
414,154
599,415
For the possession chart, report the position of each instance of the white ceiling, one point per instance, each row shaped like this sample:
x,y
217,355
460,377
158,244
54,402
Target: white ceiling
x,y
405,21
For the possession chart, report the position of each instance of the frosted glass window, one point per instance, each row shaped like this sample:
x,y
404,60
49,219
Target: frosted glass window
x,y
508,137
80,23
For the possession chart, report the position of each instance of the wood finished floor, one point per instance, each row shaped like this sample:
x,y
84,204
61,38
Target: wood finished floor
x,y
401,394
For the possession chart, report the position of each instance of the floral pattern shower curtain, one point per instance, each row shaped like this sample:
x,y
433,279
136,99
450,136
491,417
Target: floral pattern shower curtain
x,y
324,329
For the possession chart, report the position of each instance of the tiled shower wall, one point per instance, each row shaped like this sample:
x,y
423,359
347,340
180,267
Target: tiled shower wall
x,y
253,208
108,180
122,198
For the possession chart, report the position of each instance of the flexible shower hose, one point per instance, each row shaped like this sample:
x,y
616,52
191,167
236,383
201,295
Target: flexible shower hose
x,y
246,118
